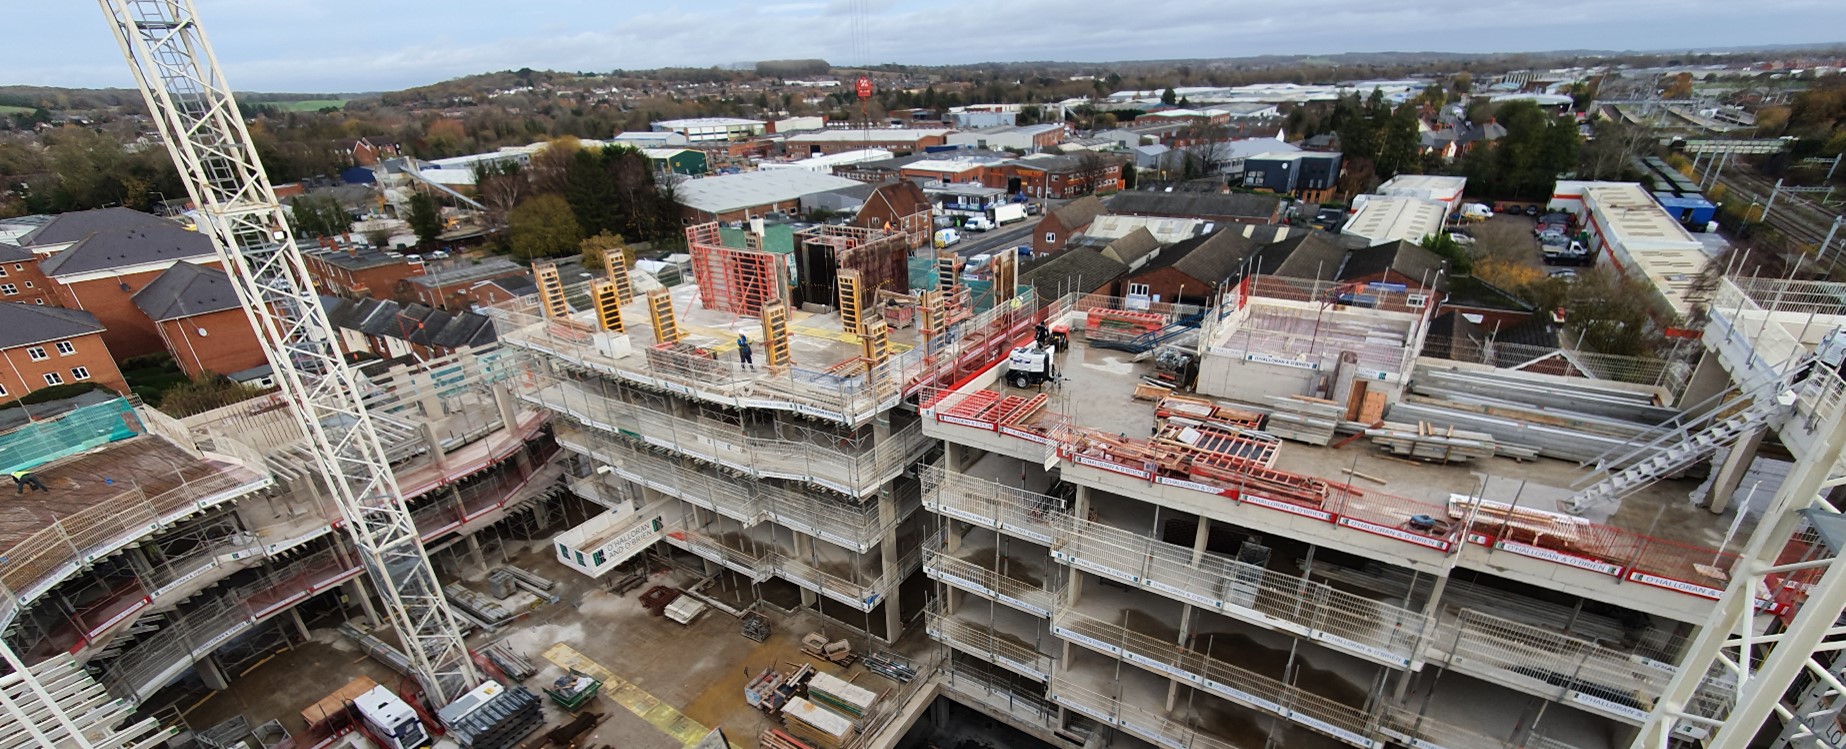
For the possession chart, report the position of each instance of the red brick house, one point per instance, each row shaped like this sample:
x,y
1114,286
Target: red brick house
x,y
1058,226
898,206
499,290
359,272
1057,176
98,260
47,346
449,288
21,281
370,150
390,330
200,320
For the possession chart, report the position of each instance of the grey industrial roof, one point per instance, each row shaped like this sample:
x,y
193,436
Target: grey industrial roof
x,y
114,245
70,227
416,323
1204,205
732,192
466,273
360,259
185,290
1408,258
516,285
1073,270
27,324
1133,247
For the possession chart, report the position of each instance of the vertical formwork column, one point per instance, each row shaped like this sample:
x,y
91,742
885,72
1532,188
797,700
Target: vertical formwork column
x,y
887,546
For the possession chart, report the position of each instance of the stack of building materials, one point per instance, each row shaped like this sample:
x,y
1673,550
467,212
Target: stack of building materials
x,y
771,738
1183,447
492,716
1424,442
1181,409
838,695
477,606
514,665
818,726
891,666
1579,419
1304,419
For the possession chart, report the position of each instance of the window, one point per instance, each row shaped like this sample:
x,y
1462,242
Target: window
x,y
1051,237
40,302
53,378
8,289
66,349
1138,289
80,373
37,353
19,266
28,284
2,271
2,390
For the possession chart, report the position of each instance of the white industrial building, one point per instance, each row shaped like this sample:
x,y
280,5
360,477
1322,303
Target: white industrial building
x,y
824,163
1389,218
1630,229
711,129
1440,188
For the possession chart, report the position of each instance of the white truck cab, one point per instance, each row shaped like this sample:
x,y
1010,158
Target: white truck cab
x,y
391,720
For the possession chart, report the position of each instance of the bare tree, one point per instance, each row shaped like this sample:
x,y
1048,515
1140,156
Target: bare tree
x,y
1091,168
1206,148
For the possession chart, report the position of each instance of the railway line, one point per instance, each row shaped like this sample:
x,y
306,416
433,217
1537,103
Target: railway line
x,y
1798,218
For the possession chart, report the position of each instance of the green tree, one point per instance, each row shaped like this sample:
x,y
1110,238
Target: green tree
x,y
319,216
1397,149
1168,97
1450,250
595,247
542,227
589,187
425,217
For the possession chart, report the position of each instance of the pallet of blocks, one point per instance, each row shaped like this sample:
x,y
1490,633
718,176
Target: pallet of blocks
x,y
1421,441
841,696
818,726
1304,419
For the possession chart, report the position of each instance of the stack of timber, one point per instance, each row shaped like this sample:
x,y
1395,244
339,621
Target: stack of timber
x,y
1184,447
1189,411
816,725
838,695
1440,444
1304,419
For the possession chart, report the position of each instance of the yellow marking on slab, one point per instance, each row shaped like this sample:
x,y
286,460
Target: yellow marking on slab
x,y
635,699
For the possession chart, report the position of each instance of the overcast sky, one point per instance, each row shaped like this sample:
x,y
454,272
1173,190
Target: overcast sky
x,y
367,45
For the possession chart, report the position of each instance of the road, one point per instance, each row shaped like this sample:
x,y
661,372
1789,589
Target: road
x,y
1011,235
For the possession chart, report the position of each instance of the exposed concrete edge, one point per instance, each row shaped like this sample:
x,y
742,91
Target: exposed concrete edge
x,y
907,716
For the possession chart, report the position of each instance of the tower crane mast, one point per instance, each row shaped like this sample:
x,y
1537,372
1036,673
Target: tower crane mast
x,y
185,89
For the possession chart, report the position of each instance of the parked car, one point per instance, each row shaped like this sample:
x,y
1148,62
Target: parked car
x,y
978,223
439,255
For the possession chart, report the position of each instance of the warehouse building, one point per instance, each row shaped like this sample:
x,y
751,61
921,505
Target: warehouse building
x,y
1630,229
736,197
1385,218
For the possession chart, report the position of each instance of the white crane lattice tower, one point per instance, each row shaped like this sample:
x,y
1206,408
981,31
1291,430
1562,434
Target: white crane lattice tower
x,y
186,93
1734,676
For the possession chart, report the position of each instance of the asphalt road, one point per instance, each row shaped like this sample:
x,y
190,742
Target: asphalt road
x,y
1011,235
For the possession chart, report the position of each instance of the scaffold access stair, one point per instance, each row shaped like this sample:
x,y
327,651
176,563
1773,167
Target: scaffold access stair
x,y
1149,340
1689,445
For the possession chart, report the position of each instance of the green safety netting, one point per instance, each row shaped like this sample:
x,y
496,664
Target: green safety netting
x,y
80,429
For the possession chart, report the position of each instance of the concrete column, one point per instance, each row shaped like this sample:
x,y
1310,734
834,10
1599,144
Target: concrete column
x,y
211,672
953,456
1081,510
430,438
301,626
804,552
504,402
887,547
474,550
951,529
1730,474
1431,608
1185,632
1708,379
355,591
1199,542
